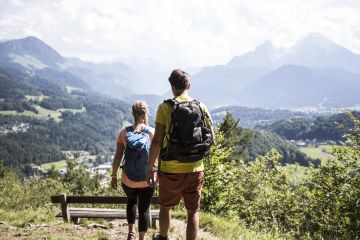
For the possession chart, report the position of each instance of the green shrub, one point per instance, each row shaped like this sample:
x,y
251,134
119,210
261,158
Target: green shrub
x,y
322,204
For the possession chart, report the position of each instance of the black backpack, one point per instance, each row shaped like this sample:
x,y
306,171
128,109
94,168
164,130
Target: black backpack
x,y
189,139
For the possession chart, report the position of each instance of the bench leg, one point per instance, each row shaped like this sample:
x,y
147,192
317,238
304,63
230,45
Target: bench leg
x,y
153,223
150,219
64,208
75,220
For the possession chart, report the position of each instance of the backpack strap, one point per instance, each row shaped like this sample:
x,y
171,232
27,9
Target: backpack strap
x,y
129,129
171,101
201,110
146,130
174,104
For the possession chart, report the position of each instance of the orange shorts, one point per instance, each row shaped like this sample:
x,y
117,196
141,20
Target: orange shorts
x,y
173,186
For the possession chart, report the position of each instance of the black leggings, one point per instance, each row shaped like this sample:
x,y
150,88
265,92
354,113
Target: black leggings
x,y
144,196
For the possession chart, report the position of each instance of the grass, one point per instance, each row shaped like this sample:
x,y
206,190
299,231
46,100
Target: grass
x,y
62,232
58,165
220,227
327,148
23,217
25,113
22,224
42,224
43,113
61,164
229,229
322,152
71,110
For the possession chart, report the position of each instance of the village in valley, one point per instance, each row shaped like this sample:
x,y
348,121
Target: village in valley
x,y
94,164
13,128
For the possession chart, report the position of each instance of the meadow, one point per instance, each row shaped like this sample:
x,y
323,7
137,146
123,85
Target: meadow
x,y
322,152
42,113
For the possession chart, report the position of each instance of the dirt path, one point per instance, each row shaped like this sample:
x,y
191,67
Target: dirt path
x,y
112,230
178,230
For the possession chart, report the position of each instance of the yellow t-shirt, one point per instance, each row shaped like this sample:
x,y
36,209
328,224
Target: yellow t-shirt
x,y
163,117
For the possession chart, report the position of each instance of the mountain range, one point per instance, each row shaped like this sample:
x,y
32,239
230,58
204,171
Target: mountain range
x,y
33,57
58,97
313,72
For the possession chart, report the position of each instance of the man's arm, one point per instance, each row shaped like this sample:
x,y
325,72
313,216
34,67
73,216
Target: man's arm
x,y
155,149
209,124
212,134
208,121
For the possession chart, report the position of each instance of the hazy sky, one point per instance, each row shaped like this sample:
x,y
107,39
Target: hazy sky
x,y
184,33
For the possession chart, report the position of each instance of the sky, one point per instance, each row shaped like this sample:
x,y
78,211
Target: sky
x,y
189,33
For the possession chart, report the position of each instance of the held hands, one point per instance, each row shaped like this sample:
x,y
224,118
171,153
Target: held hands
x,y
114,182
150,177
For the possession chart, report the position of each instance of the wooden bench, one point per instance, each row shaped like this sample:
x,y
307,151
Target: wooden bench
x,y
74,214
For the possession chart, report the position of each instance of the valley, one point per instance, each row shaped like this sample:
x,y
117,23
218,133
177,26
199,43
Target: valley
x,y
276,121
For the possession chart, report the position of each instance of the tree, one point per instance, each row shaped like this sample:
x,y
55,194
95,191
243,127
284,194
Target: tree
x,y
218,172
234,136
335,191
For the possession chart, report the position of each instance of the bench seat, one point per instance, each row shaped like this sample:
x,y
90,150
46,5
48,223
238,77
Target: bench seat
x,y
102,213
74,214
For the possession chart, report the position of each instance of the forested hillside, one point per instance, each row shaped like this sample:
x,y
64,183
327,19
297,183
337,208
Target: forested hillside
x,y
94,130
249,144
40,121
263,141
321,128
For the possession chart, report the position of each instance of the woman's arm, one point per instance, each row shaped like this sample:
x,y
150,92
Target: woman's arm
x,y
116,163
117,158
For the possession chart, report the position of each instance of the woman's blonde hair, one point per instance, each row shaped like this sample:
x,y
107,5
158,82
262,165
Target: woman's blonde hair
x,y
140,112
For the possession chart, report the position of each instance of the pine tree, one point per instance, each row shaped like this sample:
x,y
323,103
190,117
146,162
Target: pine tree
x,y
234,136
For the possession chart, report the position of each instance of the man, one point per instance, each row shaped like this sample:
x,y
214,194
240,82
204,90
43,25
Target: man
x,y
177,178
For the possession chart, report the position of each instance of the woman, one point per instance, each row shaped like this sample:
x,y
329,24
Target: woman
x,y
133,174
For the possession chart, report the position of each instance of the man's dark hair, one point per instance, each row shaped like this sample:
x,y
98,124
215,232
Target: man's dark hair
x,y
179,79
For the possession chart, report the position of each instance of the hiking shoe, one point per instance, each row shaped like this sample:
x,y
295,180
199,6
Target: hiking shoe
x,y
131,236
157,236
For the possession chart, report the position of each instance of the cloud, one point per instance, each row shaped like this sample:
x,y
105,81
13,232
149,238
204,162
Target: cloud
x,y
196,33
357,34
